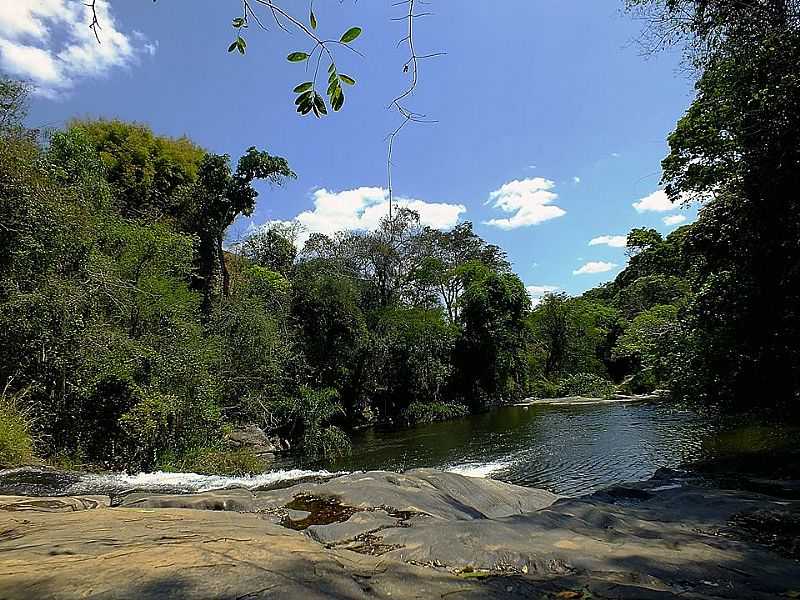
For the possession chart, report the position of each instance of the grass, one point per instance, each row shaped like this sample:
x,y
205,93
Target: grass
x,y
16,443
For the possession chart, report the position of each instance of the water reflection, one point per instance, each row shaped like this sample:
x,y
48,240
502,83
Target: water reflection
x,y
569,450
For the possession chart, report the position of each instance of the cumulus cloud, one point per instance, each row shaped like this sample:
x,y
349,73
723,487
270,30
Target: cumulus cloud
x,y
674,219
576,179
537,292
49,43
655,202
528,199
615,241
592,267
363,208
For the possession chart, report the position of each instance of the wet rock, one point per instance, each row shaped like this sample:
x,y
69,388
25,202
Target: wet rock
x,y
36,481
360,524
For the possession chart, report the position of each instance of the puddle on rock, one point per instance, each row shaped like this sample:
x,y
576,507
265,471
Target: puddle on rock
x,y
323,511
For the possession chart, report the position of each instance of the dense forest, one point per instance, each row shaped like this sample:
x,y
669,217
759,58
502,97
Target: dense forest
x,y
135,334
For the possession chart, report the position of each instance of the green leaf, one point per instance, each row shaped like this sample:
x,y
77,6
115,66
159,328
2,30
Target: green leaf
x,y
332,77
331,68
334,84
338,100
241,45
233,46
351,34
238,22
347,79
297,57
319,105
313,19
305,97
303,87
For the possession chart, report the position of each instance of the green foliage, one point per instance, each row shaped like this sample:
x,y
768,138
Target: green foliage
x,y
735,150
213,461
430,412
648,339
16,445
146,171
490,351
308,99
587,385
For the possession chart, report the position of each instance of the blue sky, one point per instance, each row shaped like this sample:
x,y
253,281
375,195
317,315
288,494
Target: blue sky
x,y
550,123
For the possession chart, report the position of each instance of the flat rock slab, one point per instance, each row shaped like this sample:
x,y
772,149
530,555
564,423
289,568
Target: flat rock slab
x,y
442,495
52,504
421,534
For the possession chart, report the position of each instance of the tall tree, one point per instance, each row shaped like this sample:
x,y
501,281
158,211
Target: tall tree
x,y
220,196
736,150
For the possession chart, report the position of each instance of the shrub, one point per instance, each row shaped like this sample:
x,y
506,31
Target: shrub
x,y
543,388
213,461
429,412
586,384
16,445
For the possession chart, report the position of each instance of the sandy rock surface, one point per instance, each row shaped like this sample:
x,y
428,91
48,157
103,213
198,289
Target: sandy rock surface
x,y
420,534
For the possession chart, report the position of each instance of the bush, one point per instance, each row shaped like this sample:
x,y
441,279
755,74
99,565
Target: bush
x,y
543,388
326,442
429,412
213,461
16,445
586,384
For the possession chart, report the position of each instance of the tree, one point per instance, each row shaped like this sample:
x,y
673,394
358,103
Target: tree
x,y
272,248
218,197
147,171
490,351
447,256
736,150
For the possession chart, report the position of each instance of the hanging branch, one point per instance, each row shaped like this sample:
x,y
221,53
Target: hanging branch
x,y
95,24
398,104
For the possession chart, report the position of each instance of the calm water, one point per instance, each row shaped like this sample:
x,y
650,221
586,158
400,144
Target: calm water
x,y
567,449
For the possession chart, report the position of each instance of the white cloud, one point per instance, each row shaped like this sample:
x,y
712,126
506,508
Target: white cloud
x,y
529,200
616,154
49,43
615,241
536,292
593,267
674,219
363,208
655,202
576,179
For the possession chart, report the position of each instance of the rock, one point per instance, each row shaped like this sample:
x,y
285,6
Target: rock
x,y
441,495
254,438
359,524
437,534
52,504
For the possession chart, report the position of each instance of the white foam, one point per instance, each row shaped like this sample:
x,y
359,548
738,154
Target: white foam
x,y
477,469
189,482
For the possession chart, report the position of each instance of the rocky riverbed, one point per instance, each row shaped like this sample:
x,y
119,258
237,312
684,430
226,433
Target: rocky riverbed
x,y
419,534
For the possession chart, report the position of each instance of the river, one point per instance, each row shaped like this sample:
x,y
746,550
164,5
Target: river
x,y
569,450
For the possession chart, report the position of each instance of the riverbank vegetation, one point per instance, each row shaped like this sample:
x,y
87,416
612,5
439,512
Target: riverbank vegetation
x,y
138,340
136,335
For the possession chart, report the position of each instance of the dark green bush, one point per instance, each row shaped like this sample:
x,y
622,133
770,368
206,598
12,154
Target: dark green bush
x,y
586,384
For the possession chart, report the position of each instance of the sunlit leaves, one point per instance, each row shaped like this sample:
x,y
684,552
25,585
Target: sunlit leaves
x,y
238,44
312,19
350,35
297,57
